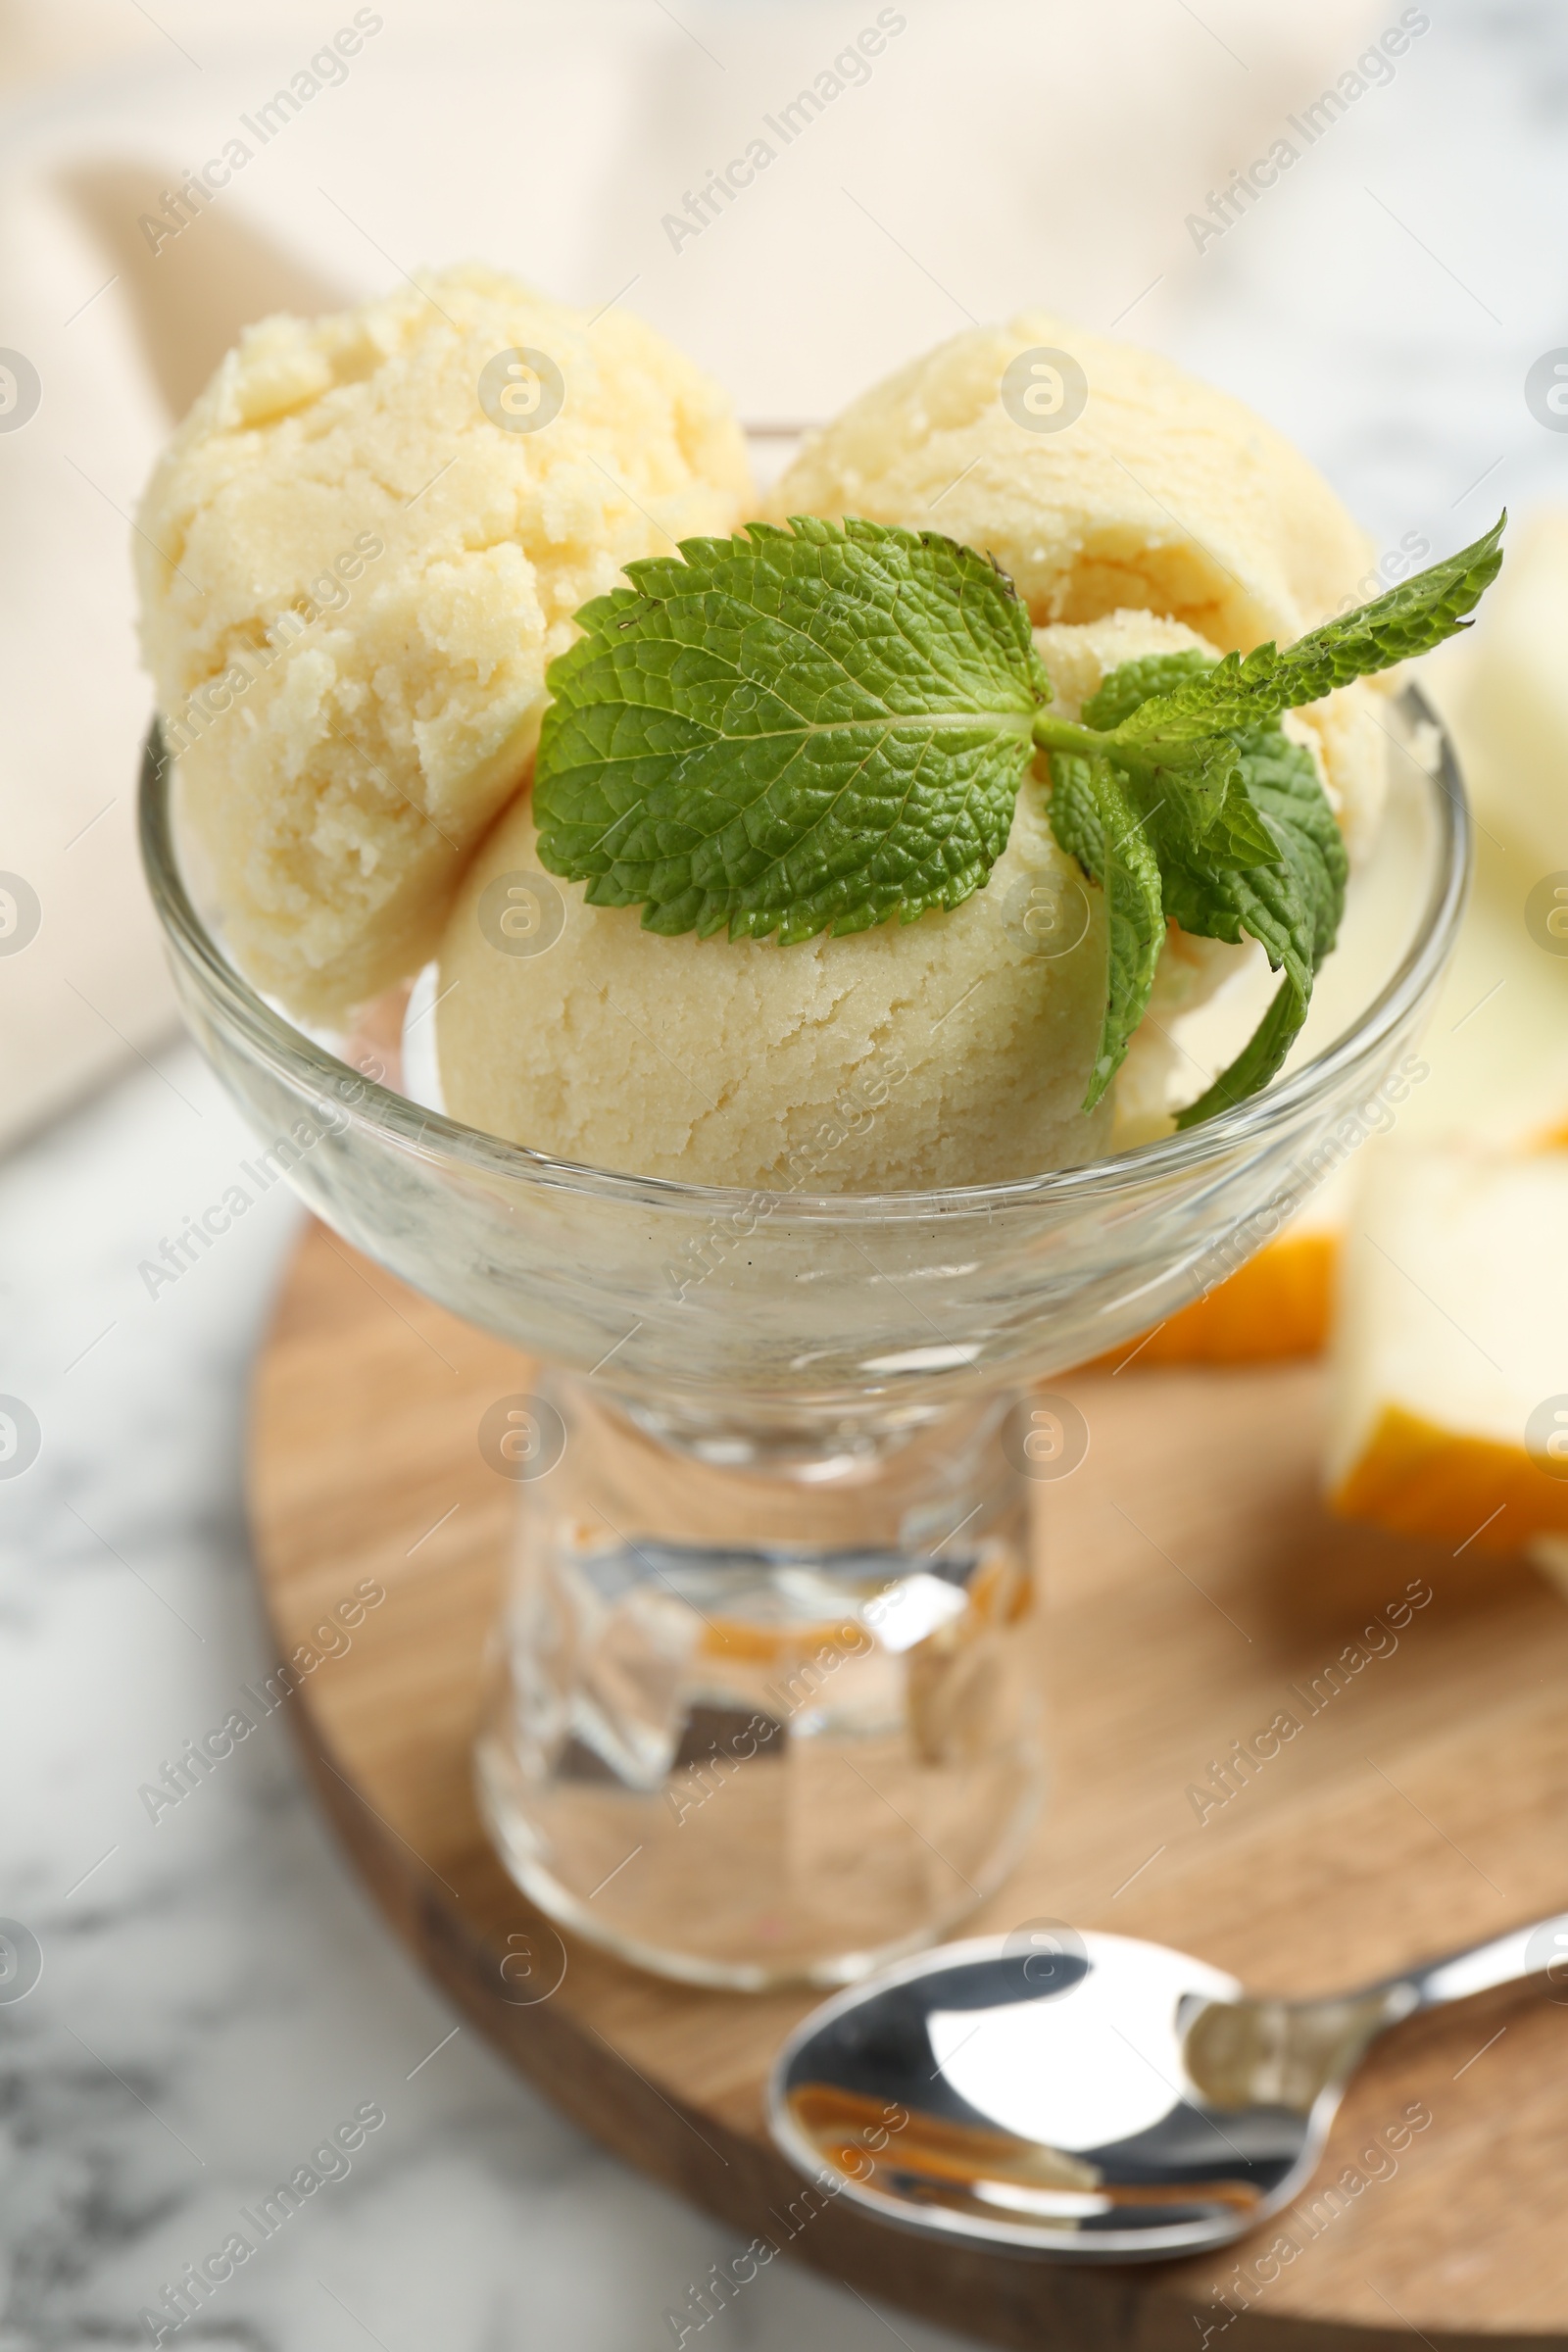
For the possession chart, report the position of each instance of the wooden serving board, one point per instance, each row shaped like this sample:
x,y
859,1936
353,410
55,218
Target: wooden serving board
x,y
1191,1589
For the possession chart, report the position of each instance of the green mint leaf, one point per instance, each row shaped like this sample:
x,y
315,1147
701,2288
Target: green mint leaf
x,y
1076,819
1244,689
1202,790
1283,784
1205,805
1258,1059
1096,819
1292,907
1128,687
1289,899
790,731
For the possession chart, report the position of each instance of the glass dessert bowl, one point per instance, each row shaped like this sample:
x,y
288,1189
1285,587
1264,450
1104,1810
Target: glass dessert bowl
x,y
759,1708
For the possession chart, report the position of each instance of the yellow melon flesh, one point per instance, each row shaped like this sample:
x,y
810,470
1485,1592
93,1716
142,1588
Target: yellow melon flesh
x,y
1510,699
1448,1406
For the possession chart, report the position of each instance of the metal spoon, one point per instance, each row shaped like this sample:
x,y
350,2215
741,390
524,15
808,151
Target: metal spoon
x,y
1090,2097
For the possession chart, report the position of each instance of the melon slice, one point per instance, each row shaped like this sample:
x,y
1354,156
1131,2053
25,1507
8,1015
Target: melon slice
x,y
1448,1406
1511,699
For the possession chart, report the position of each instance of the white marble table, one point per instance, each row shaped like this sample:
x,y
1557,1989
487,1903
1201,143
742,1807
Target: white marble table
x,y
218,1996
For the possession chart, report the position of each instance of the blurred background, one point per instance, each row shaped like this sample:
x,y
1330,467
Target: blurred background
x,y
214,1991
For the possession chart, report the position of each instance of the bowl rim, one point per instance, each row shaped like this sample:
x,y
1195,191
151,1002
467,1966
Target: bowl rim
x,y
470,1152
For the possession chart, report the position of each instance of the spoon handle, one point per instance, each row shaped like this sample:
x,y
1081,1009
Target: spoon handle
x,y
1540,1948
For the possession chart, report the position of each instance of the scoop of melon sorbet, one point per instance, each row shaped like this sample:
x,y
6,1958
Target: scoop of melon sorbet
x,y
952,1051
354,576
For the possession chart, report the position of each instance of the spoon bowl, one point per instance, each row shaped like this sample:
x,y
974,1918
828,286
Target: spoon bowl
x,y
1086,2097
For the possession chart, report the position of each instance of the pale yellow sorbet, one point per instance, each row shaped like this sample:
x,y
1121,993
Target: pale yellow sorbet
x,y
353,579
952,1051
1162,494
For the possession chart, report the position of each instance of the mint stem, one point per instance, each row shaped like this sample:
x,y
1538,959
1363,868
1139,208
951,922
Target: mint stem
x,y
1053,734
1088,743
1068,735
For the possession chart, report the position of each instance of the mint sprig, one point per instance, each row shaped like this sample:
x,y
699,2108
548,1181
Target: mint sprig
x,y
822,727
